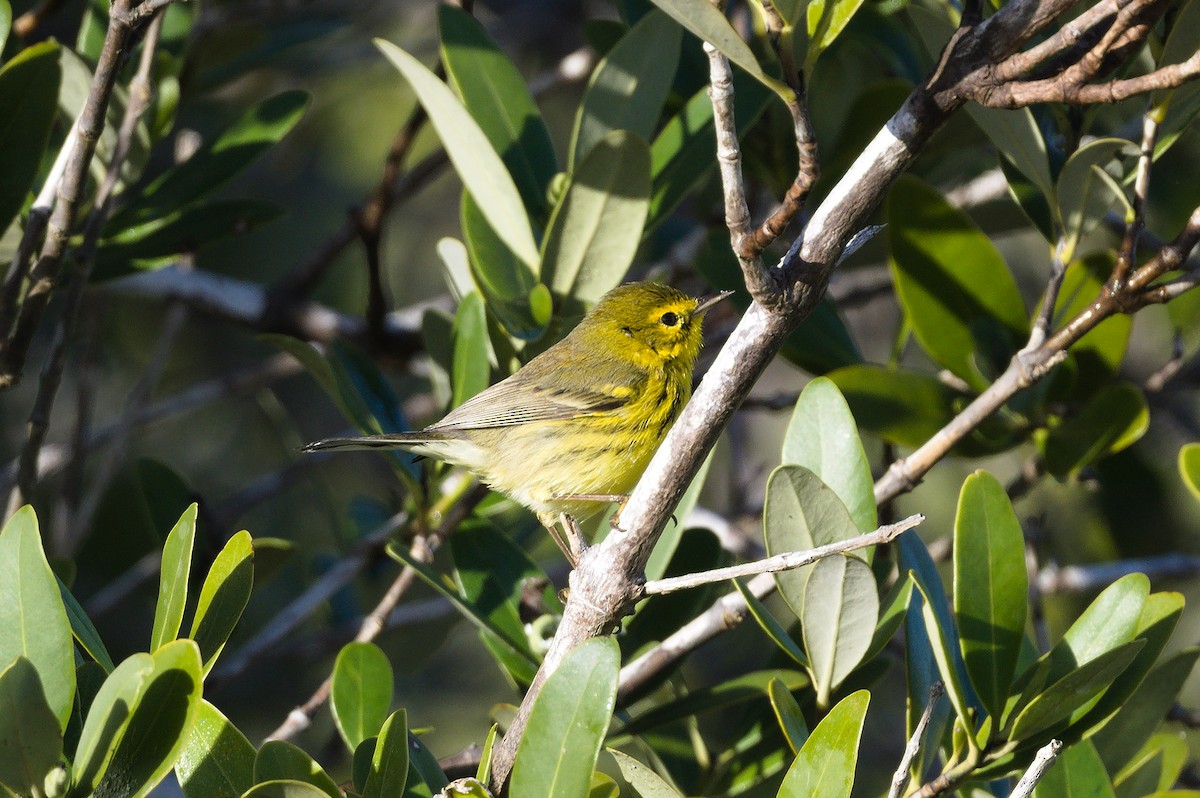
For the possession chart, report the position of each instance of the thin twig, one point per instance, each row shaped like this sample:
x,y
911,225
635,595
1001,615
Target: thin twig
x,y
1127,255
782,562
1052,579
1041,763
901,777
140,96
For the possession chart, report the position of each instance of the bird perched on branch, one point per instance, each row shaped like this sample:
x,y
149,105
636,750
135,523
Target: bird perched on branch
x,y
574,428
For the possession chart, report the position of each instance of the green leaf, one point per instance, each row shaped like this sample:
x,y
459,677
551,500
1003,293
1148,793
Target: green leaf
x,y
826,20
644,781
709,24
493,574
954,286
681,153
159,240
484,771
1159,616
1015,133
33,621
772,627
597,226
474,159
158,723
223,597
568,722
506,282
1189,467
29,86
629,85
990,587
31,740
1077,771
217,761
497,98
471,350
216,162
173,579
823,437
788,714
841,607
942,639
892,610
389,763
731,692
1114,419
5,22
1083,199
424,772
107,719
1156,767
83,630
472,613
825,766
1143,712
361,693
919,662
1055,704
284,788
801,512
280,760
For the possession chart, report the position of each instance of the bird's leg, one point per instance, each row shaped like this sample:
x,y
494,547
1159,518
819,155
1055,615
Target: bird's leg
x,y
618,499
574,536
550,521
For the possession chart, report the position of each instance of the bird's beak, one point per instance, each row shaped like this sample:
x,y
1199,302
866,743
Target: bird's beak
x,y
706,302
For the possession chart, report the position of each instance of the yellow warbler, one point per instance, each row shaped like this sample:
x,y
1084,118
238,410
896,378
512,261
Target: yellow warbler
x,y
576,426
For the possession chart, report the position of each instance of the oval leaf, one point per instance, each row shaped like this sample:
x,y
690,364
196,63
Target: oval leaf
x,y
825,766
597,226
30,738
361,693
1115,418
823,437
279,760
629,85
477,164
990,587
568,722
801,512
841,607
107,719
955,288
388,775
641,778
33,620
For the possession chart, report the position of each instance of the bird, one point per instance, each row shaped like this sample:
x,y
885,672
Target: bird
x,y
574,428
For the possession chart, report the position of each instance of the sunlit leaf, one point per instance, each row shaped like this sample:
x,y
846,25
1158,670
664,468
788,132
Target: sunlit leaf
x,y
825,766
217,761
361,691
173,579
29,96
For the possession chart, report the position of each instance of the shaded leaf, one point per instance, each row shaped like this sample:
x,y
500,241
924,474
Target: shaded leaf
x,y
771,626
497,98
224,595
1116,417
158,723
107,719
597,225
1189,467
731,692
644,781
83,630
279,760
1083,199
826,20
29,85
31,740
1015,133
33,621
217,761
788,714
284,788
361,691
955,288
471,350
506,282
1077,771
629,85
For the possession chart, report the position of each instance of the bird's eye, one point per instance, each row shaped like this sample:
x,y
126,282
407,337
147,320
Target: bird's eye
x,y
669,319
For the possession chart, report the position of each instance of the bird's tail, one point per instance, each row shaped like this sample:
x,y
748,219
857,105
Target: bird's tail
x,y
393,440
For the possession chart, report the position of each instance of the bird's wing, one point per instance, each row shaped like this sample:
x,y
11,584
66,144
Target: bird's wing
x,y
521,399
